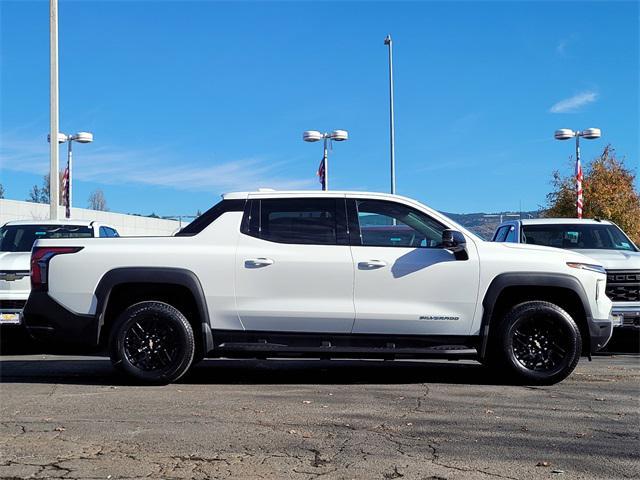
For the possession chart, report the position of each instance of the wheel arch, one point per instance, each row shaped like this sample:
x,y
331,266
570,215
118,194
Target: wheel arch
x,y
509,289
121,286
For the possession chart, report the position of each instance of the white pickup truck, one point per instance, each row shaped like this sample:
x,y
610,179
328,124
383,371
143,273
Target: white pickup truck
x,y
601,240
331,274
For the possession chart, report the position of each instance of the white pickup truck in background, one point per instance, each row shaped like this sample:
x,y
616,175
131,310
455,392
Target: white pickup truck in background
x,y
319,274
601,240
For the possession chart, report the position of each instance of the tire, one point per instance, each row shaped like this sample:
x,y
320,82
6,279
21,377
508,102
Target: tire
x,y
537,343
152,342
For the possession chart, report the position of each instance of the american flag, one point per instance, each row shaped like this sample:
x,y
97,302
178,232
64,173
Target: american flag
x,y
65,192
322,174
579,179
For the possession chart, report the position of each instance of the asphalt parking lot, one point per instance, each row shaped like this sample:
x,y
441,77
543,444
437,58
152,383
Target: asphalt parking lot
x,y
73,417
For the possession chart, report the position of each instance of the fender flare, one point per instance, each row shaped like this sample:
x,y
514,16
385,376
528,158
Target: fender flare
x,y
160,275
527,279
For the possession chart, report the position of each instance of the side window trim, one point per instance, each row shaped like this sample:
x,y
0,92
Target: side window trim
x,y
355,238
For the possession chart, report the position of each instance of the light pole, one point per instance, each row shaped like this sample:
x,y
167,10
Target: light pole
x,y
314,136
53,109
589,134
392,135
80,137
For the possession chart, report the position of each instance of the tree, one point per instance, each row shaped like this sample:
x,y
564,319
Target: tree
x,y
609,193
40,194
1,191
97,201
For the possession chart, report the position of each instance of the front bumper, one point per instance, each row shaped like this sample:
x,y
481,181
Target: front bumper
x,y
600,332
630,315
48,321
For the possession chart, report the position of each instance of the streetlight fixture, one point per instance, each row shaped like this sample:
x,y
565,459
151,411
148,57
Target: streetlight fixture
x,y
589,134
392,136
315,136
80,137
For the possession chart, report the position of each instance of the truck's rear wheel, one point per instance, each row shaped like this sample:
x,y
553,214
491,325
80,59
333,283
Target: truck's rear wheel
x,y
538,343
152,342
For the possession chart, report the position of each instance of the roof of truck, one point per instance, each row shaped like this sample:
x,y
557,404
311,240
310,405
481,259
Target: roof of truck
x,y
80,223
268,192
561,221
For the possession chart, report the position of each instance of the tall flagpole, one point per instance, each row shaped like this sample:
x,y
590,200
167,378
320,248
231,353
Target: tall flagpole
x,y
392,137
54,127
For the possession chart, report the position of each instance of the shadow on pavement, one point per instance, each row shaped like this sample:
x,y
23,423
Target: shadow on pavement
x,y
98,371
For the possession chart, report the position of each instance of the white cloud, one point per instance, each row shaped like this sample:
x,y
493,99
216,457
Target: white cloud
x,y
572,104
109,165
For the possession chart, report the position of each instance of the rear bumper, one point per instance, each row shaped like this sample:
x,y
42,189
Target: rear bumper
x,y
11,309
48,321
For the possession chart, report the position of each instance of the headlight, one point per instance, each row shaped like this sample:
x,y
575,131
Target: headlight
x,y
588,266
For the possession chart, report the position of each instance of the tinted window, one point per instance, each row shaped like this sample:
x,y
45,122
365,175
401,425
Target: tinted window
x,y
577,236
501,234
20,238
389,224
108,232
511,234
296,220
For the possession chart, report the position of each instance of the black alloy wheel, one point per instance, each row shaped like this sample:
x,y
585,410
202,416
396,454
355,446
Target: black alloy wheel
x,y
537,343
152,342
540,344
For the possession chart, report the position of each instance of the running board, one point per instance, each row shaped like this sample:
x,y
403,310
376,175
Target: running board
x,y
265,349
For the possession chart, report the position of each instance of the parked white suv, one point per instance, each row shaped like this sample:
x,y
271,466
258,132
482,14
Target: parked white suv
x,y
331,274
601,240
16,240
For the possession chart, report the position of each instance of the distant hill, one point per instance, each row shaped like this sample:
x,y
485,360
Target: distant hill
x,y
485,224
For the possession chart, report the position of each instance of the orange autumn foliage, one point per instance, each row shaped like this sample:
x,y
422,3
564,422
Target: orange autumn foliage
x,y
609,194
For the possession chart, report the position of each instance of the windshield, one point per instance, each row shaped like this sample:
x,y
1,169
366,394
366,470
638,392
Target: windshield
x,y
20,238
577,236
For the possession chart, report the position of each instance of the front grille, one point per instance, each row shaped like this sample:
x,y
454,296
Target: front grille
x,y
623,285
12,304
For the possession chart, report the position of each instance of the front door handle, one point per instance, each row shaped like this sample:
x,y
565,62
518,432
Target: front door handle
x,y
258,262
371,264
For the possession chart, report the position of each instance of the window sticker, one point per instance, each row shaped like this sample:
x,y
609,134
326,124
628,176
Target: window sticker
x,y
572,237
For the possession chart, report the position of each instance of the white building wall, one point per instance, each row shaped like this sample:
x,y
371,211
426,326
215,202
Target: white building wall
x,y
127,225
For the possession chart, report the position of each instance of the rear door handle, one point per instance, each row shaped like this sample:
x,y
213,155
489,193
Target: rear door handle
x,y
371,264
258,262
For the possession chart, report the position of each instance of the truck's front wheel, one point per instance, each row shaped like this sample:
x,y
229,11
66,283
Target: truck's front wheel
x,y
152,342
538,342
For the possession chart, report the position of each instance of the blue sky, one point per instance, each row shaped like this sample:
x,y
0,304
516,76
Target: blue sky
x,y
190,99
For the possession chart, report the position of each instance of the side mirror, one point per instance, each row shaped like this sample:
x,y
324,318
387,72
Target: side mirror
x,y
455,242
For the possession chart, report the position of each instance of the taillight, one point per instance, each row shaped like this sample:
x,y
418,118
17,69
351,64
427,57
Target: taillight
x,y
40,257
